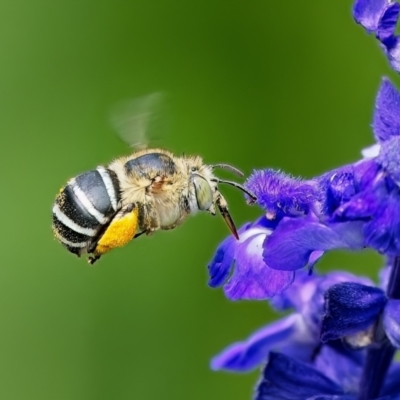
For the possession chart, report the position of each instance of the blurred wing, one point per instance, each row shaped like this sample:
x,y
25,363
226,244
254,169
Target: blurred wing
x,y
141,120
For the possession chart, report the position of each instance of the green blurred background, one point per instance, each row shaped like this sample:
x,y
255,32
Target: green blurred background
x,y
255,84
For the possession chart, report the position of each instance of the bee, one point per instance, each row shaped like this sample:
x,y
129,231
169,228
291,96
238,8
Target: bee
x,y
147,191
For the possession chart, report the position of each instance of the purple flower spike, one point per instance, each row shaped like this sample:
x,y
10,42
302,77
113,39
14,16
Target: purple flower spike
x,y
251,277
350,308
368,12
386,122
340,340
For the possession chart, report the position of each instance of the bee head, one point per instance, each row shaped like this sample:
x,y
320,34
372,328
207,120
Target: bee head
x,y
203,187
206,190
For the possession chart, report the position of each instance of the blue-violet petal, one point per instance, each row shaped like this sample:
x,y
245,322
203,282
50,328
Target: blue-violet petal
x,y
292,243
391,322
386,121
249,354
350,308
286,378
368,12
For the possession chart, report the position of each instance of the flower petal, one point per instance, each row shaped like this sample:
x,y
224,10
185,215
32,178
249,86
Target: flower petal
x,y
382,233
361,207
387,24
339,187
368,12
348,374
392,383
366,173
381,17
222,262
314,309
335,397
386,121
391,321
389,157
249,354
290,246
252,278
393,54
350,308
299,295
286,378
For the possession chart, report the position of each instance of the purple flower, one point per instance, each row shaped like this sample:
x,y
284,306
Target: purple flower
x,y
251,277
355,206
289,335
350,308
340,340
360,313
332,376
304,358
298,334
380,17
352,207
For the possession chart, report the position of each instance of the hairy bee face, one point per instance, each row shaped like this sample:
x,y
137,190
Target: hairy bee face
x,y
201,188
147,191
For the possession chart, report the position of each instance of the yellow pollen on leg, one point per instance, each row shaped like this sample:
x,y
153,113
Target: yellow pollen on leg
x,y
119,233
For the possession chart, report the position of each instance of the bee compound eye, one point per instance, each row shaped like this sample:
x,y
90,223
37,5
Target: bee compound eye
x,y
204,194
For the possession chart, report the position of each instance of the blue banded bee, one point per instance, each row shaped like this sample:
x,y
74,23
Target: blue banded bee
x,y
149,190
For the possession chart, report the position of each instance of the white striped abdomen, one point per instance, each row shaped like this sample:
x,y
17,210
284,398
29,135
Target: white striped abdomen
x,y
84,207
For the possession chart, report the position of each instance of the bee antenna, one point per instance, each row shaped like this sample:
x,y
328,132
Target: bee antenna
x,y
237,185
229,168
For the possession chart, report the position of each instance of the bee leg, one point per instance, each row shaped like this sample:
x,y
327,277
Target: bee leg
x,y
212,211
119,232
92,259
149,222
223,209
139,234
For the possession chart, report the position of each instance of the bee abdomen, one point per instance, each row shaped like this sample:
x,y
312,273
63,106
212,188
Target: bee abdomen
x,y
83,207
